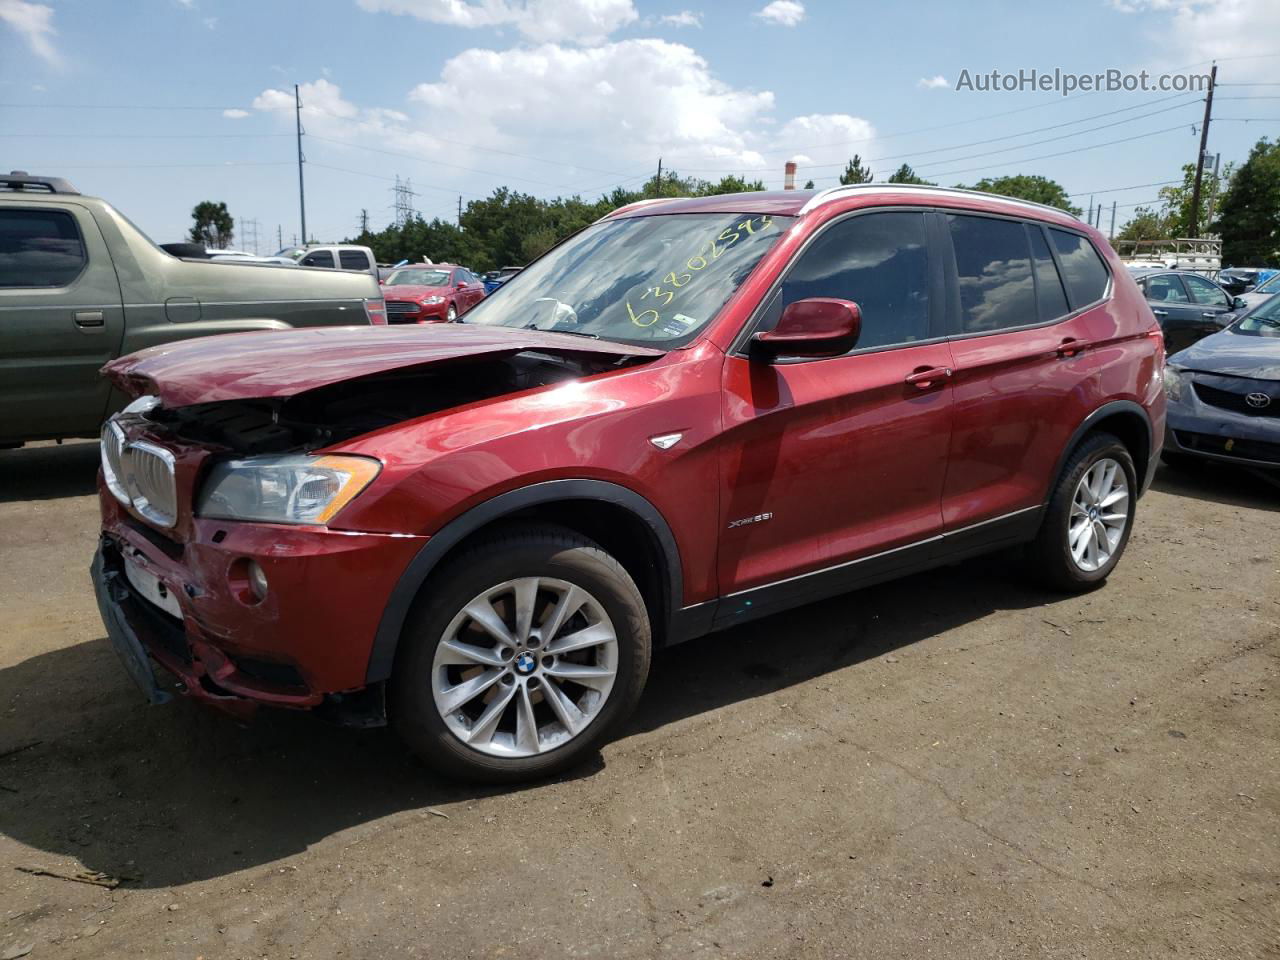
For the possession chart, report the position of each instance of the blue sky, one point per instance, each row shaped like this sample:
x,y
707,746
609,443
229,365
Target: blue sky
x,y
159,104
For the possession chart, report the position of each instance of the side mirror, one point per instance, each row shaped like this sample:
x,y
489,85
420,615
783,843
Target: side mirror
x,y
817,327
1238,303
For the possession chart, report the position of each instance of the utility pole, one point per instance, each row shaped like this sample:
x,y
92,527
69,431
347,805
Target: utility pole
x,y
1111,234
1213,191
459,210
657,183
364,221
279,237
302,197
1089,216
1204,140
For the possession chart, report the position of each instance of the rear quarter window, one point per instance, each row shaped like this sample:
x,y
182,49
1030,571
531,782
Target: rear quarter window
x,y
1082,269
39,248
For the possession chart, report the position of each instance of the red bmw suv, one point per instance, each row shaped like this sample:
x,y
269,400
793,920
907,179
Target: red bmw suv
x,y
690,414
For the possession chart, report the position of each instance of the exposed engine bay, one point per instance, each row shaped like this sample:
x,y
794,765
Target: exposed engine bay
x,y
350,408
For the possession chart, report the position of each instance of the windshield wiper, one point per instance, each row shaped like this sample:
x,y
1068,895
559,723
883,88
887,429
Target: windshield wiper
x,y
572,333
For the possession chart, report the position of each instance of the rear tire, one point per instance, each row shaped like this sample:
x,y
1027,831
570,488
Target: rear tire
x,y
1090,515
528,717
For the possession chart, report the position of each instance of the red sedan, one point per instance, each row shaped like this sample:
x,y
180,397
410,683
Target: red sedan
x,y
431,293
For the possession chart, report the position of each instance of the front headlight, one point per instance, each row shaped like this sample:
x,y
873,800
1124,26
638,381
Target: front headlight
x,y
428,301
284,489
1172,382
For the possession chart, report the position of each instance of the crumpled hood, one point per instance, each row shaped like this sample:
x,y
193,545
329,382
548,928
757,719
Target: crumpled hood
x,y
1234,354
406,291
281,363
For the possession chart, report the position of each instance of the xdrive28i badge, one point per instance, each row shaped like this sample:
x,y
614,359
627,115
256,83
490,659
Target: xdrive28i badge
x,y
758,518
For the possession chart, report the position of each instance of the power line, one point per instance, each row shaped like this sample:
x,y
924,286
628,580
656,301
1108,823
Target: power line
x,y
145,136
1158,183
1010,136
1060,153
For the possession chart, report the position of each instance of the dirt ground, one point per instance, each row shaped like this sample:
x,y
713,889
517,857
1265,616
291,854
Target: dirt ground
x,y
954,765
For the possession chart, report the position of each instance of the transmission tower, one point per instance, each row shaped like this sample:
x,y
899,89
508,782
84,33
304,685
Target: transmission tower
x,y
404,201
364,222
249,235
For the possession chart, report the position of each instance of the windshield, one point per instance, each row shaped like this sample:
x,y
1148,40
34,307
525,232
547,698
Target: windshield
x,y
1263,322
654,280
1270,285
418,278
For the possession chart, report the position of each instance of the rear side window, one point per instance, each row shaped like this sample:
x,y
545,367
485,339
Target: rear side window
x,y
39,248
1082,268
1204,292
353,259
993,268
1050,297
1166,289
320,258
880,261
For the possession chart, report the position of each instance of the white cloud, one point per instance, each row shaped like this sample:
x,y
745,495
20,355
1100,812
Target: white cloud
x,y
494,111
210,22
936,82
1238,32
189,4
785,13
631,96
34,21
235,114
685,18
572,21
319,99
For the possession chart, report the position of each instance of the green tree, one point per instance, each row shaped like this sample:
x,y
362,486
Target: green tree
x,y
855,172
1249,214
808,184
904,174
214,226
1176,200
1147,223
1028,187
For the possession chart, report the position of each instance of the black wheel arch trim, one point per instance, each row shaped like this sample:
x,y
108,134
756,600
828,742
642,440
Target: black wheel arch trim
x,y
387,638
1090,422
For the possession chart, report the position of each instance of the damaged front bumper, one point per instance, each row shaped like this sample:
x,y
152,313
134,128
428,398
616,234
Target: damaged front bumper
x,y
306,646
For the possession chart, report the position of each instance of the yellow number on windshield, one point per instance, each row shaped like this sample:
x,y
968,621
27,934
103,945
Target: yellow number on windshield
x,y
636,319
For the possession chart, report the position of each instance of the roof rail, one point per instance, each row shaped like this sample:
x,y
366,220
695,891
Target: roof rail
x,y
831,193
20,181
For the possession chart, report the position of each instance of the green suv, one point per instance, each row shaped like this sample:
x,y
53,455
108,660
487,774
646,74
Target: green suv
x,y
81,285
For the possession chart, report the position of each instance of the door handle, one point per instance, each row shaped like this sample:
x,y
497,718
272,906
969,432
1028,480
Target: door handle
x,y
1071,347
88,318
923,378
1210,314
1161,313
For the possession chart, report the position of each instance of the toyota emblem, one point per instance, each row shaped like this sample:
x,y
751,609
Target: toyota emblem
x,y
1258,401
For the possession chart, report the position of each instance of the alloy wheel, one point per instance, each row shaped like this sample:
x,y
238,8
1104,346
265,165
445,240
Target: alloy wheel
x,y
1099,514
525,667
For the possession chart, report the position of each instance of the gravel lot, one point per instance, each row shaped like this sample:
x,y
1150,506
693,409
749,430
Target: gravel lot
x,y
954,765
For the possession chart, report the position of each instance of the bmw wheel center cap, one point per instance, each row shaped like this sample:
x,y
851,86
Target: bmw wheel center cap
x,y
525,663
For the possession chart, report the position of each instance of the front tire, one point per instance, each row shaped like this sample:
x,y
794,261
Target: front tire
x,y
452,315
520,657
1090,515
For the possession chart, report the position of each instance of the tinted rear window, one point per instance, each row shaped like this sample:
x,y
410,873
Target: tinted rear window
x,y
1082,268
39,248
353,259
993,267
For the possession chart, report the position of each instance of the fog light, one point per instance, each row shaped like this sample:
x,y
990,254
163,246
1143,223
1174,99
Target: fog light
x,y
257,580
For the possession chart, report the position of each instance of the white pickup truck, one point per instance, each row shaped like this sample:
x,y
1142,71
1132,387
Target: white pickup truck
x,y
335,256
